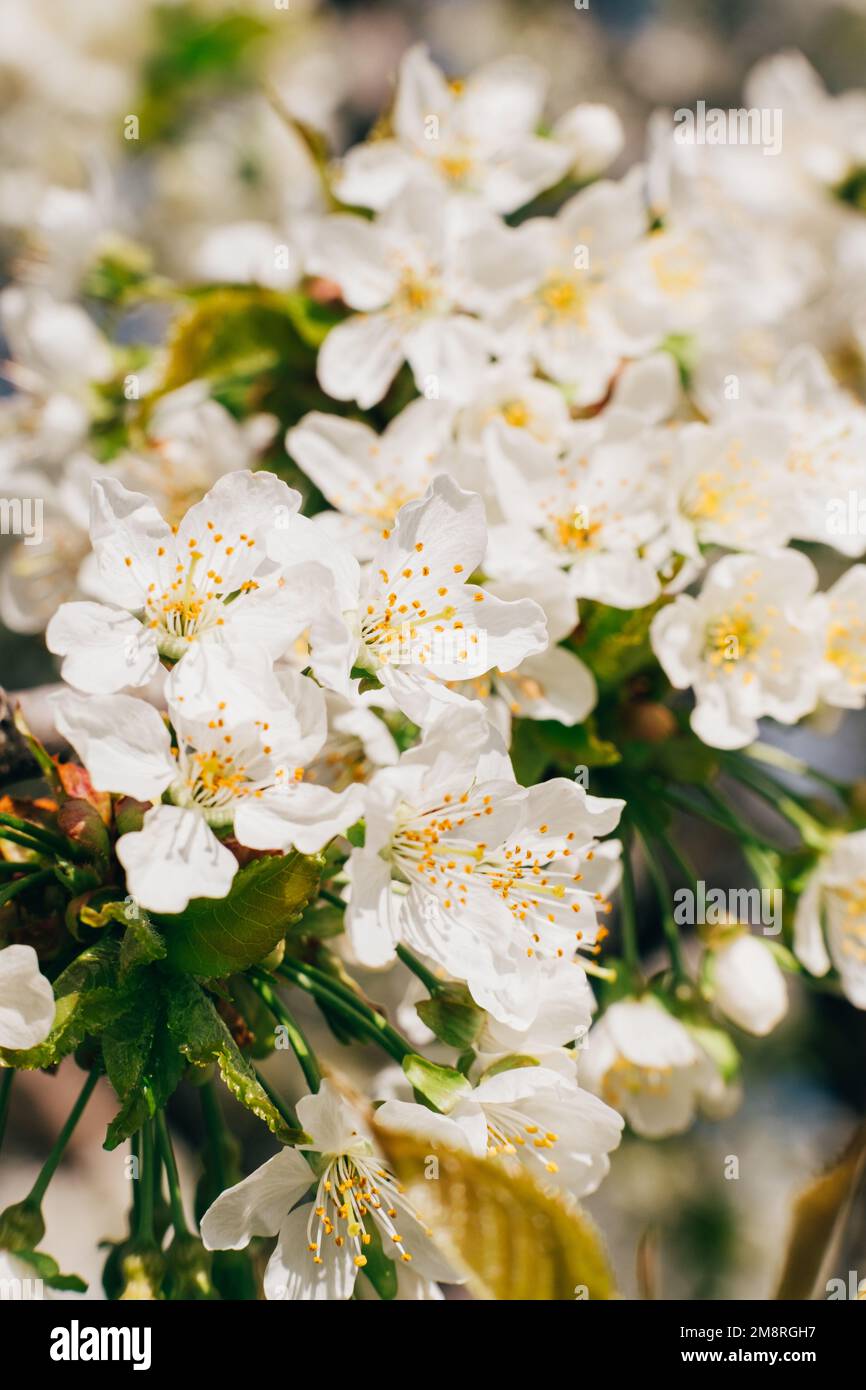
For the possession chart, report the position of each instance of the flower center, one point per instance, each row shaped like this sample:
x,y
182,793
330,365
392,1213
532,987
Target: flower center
x,y
516,414
509,1133
846,649
678,271
212,779
626,1078
852,902
193,600
353,1191
730,638
455,167
564,297
540,888
416,293
573,531
409,620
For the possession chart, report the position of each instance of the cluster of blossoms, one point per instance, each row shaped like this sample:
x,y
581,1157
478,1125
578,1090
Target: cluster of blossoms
x,y
590,470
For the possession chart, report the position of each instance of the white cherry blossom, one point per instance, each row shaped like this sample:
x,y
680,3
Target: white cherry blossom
x,y
840,615
531,1115
476,137
747,983
830,917
175,586
599,513
743,645
243,737
482,876
367,477
406,275
322,1242
412,619
649,1066
546,286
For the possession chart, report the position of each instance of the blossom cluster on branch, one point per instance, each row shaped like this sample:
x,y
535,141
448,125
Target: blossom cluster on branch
x,y
415,598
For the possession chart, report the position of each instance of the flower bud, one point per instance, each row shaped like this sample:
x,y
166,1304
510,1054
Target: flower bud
x,y
21,1226
188,1270
593,134
80,821
141,1274
748,985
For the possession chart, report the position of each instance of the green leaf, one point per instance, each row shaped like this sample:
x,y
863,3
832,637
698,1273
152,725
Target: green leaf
x,y
142,1059
452,1015
356,834
126,1043
529,755
133,1113
313,321
219,936
141,944
320,922
201,1036
48,1270
614,642
577,746
240,331
442,1087
512,1239
686,759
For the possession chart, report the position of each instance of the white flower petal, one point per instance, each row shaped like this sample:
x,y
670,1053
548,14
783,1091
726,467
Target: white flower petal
x,y
256,1206
292,1273
174,857
122,741
26,999
103,649
298,814
360,358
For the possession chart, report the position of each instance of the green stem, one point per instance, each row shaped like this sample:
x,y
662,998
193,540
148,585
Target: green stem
x,y
7,1076
663,893
144,1231
11,890
135,1147
431,982
213,1124
329,982
56,843
276,1099
49,1167
332,898
354,1011
720,816
178,1219
630,948
812,832
786,762
301,1048
687,871
14,838
10,867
